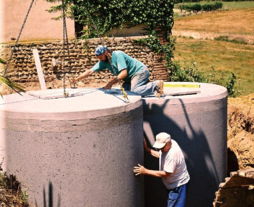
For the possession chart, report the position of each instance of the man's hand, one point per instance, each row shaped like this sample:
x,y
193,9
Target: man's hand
x,y
139,170
108,86
111,83
72,82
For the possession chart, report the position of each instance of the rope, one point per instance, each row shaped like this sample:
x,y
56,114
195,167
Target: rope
x,y
65,42
17,40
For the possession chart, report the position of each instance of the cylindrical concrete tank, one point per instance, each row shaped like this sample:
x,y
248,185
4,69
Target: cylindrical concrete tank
x,y
198,122
76,151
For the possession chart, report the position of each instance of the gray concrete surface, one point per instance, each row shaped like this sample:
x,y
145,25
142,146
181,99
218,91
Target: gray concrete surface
x,y
76,151
198,122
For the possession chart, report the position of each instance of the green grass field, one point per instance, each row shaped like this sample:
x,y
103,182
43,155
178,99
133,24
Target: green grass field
x,y
238,4
220,57
213,57
227,5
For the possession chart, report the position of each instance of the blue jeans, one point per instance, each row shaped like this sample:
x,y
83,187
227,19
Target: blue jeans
x,y
140,84
177,196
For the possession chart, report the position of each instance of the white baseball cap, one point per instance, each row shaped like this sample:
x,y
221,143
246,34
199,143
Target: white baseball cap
x,y
161,140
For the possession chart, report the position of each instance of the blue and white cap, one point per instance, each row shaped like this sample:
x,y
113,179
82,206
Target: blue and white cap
x,y
100,50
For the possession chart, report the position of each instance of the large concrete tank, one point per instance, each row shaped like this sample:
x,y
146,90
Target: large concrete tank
x,y
198,122
76,151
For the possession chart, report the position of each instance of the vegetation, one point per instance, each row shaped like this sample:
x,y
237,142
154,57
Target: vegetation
x,y
197,7
99,17
228,39
191,73
218,60
232,22
11,193
231,52
6,81
238,4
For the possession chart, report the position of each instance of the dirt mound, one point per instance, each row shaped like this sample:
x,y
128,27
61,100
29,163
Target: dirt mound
x,y
241,130
237,190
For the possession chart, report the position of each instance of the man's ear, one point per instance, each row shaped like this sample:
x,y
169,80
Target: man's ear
x,y
107,53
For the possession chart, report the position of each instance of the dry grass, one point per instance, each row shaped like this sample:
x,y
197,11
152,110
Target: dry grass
x,y
232,22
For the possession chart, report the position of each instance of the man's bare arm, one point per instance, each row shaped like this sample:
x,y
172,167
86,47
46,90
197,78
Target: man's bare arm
x,y
122,75
141,170
151,151
84,75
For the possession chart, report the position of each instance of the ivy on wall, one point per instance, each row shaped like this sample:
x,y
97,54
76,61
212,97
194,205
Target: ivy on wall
x,y
100,16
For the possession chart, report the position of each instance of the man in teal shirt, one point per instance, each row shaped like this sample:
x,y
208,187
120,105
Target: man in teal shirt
x,y
125,68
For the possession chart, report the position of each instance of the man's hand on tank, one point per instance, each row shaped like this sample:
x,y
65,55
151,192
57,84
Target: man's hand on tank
x,y
108,86
139,170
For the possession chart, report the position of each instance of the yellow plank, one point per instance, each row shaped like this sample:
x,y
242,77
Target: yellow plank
x,y
178,85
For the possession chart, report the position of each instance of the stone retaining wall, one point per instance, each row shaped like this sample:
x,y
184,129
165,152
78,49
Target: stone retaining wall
x,y
80,58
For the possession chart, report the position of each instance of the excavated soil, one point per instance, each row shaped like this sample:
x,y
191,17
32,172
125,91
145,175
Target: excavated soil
x,y
241,132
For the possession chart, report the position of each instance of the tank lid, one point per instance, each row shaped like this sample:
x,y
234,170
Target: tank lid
x,y
190,92
76,103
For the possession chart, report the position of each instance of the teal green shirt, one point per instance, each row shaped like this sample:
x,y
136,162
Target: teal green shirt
x,y
120,61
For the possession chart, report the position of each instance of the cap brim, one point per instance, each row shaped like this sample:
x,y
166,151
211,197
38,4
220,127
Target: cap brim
x,y
158,145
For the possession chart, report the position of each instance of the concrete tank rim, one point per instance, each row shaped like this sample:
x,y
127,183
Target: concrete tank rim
x,y
220,93
77,111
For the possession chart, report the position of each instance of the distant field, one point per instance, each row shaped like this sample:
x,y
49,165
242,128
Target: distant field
x,y
234,22
238,4
227,5
212,55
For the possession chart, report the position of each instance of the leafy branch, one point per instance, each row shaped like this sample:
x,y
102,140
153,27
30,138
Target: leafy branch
x,y
6,81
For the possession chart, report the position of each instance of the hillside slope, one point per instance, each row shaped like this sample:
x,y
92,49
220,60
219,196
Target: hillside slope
x,y
236,24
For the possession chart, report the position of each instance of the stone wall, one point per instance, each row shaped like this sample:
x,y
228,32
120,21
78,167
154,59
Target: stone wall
x,y
80,58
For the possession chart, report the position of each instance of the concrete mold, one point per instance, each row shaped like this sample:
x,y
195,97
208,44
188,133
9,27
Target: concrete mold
x,y
198,122
76,151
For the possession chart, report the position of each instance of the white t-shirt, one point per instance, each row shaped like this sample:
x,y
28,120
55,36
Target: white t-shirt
x,y
173,162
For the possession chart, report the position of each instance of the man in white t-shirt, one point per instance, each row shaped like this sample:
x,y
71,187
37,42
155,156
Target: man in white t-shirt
x,y
172,168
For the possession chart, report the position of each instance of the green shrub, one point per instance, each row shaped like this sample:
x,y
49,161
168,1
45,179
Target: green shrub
x,y
6,81
234,40
192,74
201,7
188,74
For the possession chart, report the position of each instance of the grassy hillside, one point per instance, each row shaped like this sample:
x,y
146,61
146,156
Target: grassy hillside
x,y
226,5
211,55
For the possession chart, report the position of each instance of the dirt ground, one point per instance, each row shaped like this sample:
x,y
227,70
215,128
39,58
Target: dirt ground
x,y
241,132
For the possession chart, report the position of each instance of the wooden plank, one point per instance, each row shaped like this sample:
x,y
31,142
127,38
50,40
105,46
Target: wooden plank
x,y
39,69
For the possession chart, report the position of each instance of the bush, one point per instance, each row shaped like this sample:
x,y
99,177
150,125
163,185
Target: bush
x,y
212,6
192,74
204,7
234,40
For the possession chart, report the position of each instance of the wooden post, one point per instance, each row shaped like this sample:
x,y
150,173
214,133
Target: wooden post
x,y
39,69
